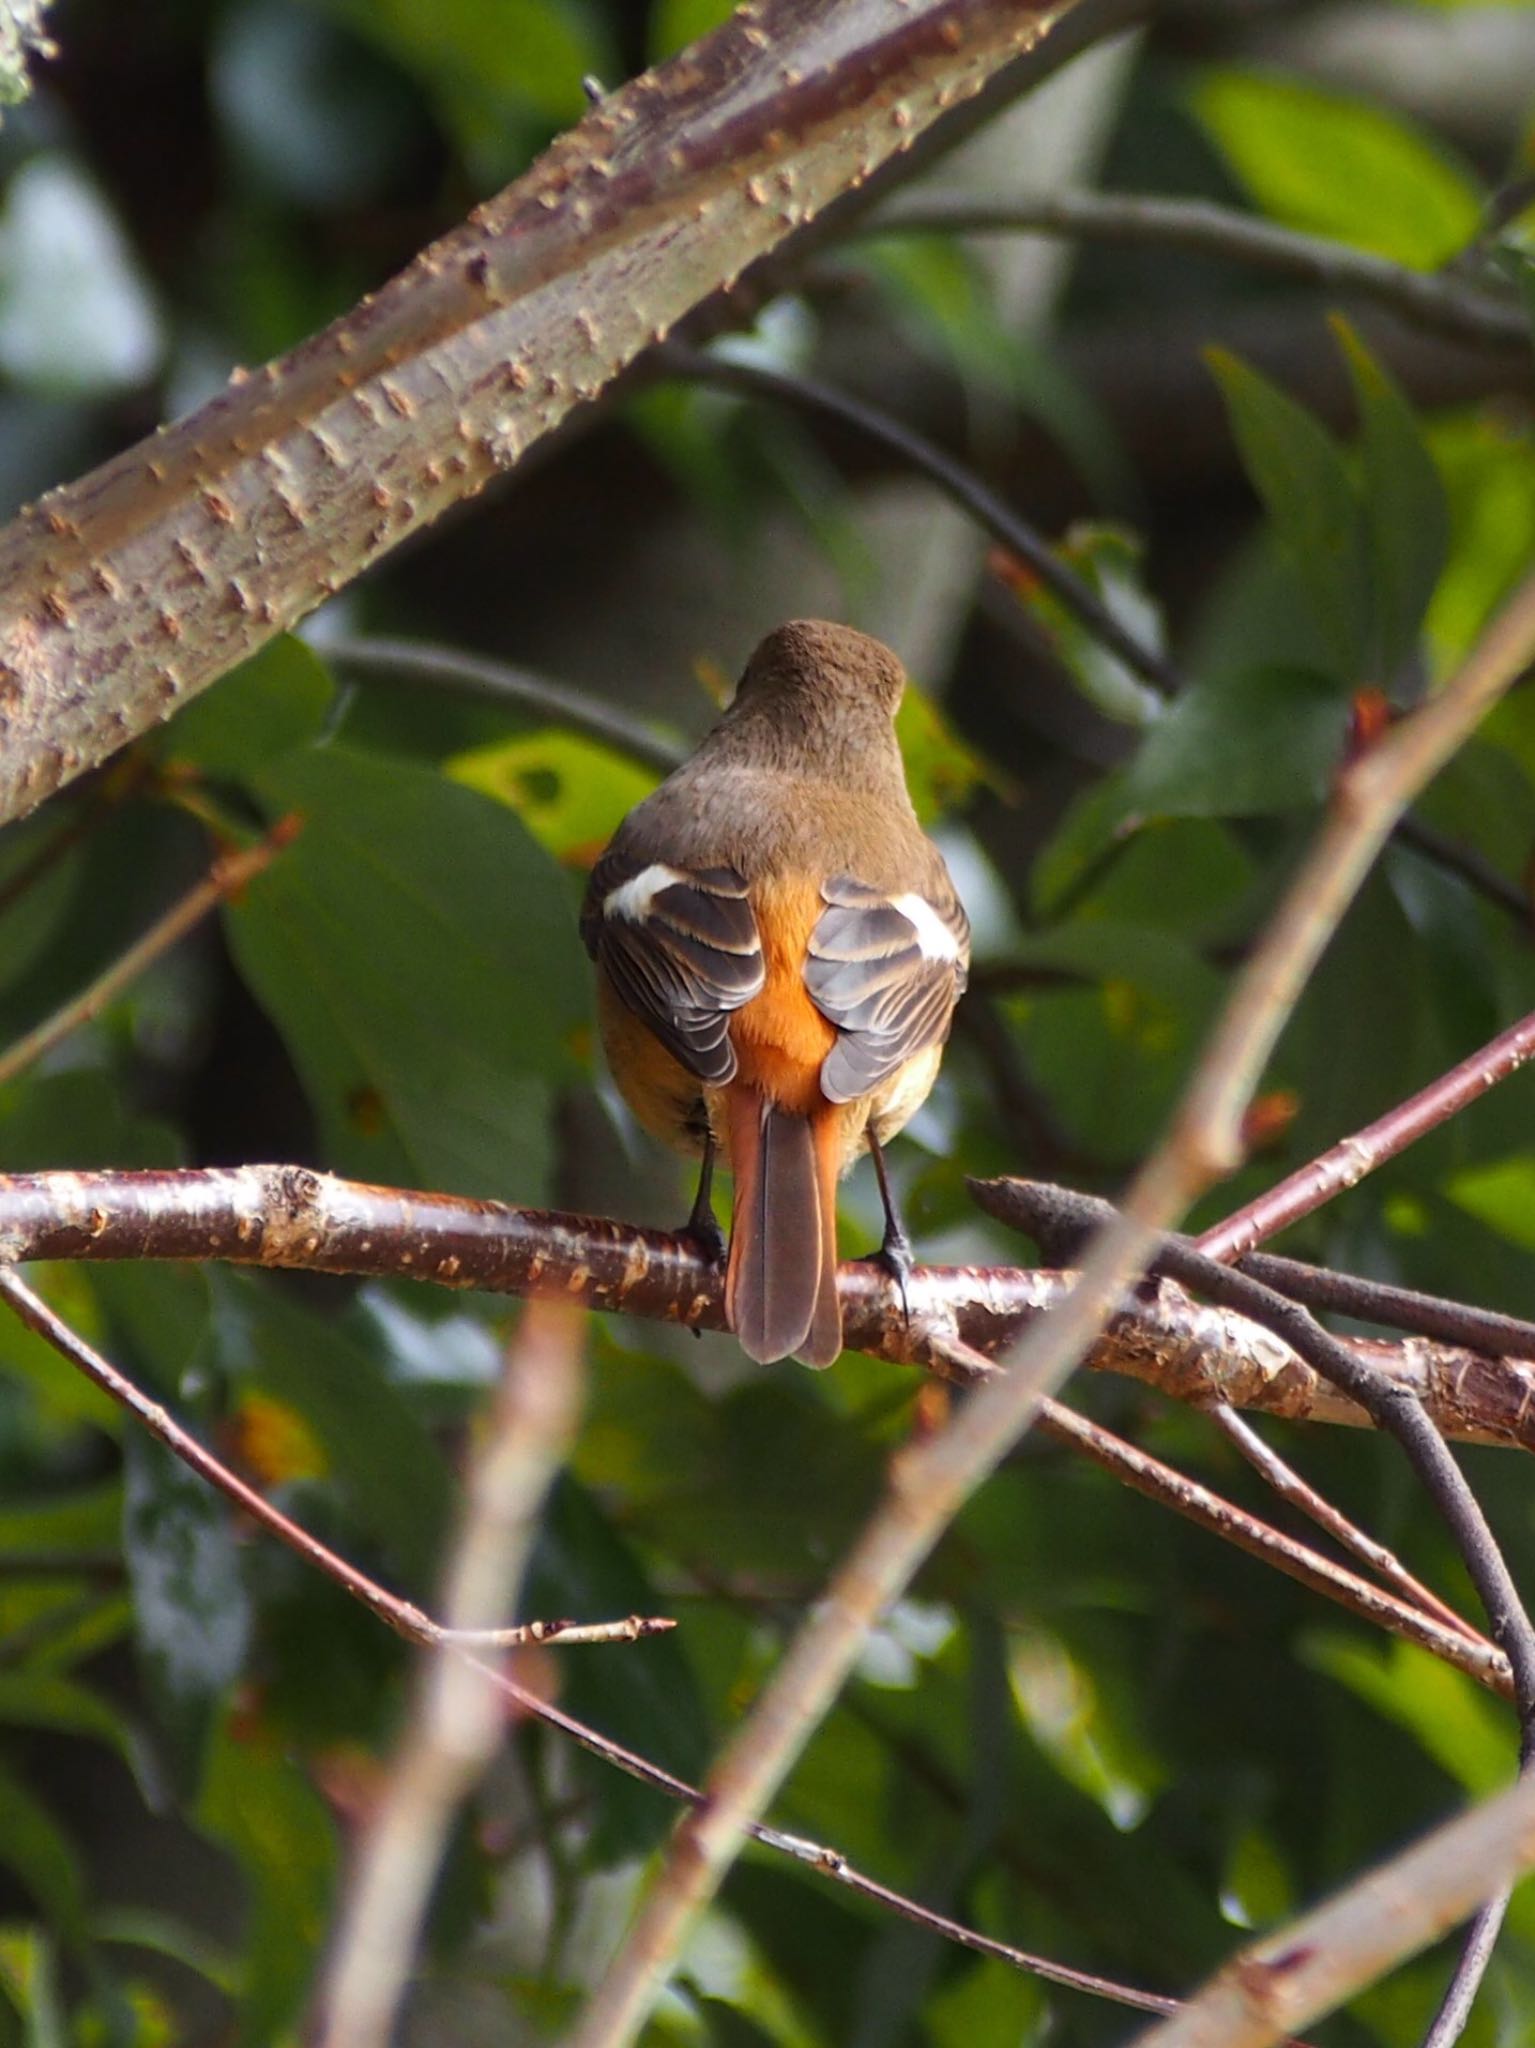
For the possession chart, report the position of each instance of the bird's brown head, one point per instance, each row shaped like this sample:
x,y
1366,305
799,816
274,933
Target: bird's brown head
x,y
826,668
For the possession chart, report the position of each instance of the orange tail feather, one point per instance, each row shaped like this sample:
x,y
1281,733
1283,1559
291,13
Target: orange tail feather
x,y
781,1277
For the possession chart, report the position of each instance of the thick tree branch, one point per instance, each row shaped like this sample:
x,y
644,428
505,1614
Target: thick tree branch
x,y
291,1217
129,591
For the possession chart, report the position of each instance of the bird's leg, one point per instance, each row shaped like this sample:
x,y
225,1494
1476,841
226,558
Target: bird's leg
x,y
895,1253
703,1225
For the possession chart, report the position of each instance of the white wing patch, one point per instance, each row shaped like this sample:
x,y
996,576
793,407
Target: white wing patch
x,y
935,939
635,898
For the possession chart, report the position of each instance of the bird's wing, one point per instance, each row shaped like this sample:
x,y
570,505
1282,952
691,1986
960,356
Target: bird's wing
x,y
681,949
887,969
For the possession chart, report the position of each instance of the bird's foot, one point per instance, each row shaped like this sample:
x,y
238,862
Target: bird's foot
x,y
895,1255
703,1227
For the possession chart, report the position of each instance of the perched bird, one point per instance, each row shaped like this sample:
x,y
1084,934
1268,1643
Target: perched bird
x,y
779,951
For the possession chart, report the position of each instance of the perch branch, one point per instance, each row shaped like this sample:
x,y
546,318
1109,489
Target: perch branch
x,y
291,1217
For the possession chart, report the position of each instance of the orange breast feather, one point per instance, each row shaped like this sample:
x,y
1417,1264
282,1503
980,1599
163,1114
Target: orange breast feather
x,y
780,1037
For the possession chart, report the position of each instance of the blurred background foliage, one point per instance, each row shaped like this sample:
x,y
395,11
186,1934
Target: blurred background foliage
x,y
1090,1730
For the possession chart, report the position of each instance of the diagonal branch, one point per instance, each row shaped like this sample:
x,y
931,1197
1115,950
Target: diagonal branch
x,y
181,556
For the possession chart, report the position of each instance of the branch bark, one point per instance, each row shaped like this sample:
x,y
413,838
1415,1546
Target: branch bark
x,y
288,1216
133,588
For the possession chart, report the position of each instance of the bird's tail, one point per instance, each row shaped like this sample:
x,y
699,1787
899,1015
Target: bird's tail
x,y
781,1279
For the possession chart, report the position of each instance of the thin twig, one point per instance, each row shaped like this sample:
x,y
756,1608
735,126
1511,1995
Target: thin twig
x,y
1425,297
955,479
1398,1414
229,873
456,1724
1290,1486
1347,1163
403,1616
476,675
409,1621
1459,1644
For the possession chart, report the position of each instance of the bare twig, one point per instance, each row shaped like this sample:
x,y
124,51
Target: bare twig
x,y
228,875
1427,298
955,479
1399,1415
1290,1486
1351,1159
475,675
456,1724
1455,1641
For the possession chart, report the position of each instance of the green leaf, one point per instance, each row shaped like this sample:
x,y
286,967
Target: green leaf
x,y
191,1615
29,1977
272,704
1487,461
1330,164
259,1804
35,1847
1405,508
41,1699
571,792
941,771
1500,1194
1249,745
1256,1886
1108,561
585,1571
418,951
1299,472
395,1478
1468,1735
1069,1717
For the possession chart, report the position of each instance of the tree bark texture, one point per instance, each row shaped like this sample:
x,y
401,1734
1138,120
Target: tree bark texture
x,y
132,589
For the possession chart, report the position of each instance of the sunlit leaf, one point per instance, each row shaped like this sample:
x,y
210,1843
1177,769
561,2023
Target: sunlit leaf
x,y
1330,164
1500,1194
1449,1714
571,792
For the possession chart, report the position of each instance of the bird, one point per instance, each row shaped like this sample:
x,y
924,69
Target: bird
x,y
779,949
